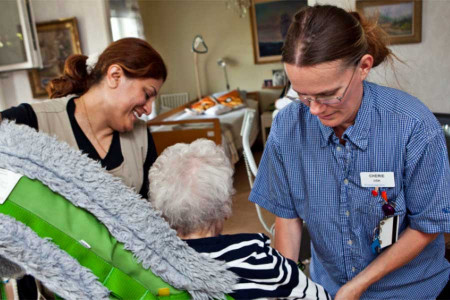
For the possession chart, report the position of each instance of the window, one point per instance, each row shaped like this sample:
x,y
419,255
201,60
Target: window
x,y
125,19
18,40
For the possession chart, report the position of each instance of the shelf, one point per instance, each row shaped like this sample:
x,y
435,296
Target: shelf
x,y
266,123
276,87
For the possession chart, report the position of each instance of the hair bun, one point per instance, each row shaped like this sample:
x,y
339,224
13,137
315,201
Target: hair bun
x,y
377,39
356,15
73,81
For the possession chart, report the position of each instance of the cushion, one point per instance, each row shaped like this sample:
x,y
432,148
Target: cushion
x,y
203,104
232,99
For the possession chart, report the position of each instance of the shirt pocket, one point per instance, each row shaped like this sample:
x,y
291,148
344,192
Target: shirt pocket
x,y
368,210
397,199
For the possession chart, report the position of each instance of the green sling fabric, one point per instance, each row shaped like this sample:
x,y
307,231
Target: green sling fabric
x,y
2,291
47,213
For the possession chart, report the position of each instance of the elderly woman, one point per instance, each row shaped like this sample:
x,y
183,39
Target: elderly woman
x,y
192,185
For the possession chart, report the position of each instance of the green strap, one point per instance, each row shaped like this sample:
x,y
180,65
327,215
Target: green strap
x,y
121,284
2,291
111,277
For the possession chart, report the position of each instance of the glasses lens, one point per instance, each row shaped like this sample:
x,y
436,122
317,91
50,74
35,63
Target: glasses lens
x,y
307,100
328,101
332,100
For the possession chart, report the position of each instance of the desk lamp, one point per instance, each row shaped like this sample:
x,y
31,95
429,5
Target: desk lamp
x,y
221,62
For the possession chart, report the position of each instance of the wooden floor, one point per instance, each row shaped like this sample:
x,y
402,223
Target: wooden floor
x,y
245,218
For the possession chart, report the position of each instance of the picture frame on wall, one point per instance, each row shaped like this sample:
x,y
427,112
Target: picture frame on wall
x,y
270,20
58,40
279,77
401,19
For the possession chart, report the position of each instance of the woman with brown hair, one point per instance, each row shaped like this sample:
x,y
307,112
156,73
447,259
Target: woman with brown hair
x,y
94,108
365,166
95,105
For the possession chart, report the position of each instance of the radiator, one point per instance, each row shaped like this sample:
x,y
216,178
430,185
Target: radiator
x,y
169,101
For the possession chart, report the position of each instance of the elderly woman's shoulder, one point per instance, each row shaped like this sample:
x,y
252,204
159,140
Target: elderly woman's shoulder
x,y
249,238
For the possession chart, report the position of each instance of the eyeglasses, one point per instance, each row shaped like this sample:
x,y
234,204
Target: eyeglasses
x,y
329,100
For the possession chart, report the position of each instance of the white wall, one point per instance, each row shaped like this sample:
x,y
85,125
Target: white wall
x,y
425,71
171,26
2,97
94,36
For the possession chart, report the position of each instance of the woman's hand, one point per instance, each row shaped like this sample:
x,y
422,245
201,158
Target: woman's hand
x,y
409,245
349,291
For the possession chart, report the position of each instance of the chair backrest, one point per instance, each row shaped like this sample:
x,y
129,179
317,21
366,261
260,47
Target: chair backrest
x,y
444,119
252,170
170,101
250,163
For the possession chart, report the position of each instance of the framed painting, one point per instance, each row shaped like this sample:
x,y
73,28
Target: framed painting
x,y
270,20
401,19
57,40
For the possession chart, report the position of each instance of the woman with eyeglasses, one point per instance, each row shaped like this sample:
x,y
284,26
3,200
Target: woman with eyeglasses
x,y
365,166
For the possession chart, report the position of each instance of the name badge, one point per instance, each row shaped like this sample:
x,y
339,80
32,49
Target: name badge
x,y
8,181
377,179
388,231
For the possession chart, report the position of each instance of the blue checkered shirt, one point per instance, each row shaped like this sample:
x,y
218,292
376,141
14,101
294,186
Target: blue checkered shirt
x,y
305,173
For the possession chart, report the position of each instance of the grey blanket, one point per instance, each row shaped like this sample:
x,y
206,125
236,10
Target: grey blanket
x,y
128,217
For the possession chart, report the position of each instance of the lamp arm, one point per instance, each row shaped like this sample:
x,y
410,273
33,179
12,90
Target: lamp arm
x,y
226,77
197,77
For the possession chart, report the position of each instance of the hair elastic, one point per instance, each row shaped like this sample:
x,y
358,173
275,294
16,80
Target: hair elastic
x,y
91,61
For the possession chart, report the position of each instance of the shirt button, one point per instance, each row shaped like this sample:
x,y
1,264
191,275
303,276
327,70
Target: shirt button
x,y
353,269
338,148
350,242
346,181
347,213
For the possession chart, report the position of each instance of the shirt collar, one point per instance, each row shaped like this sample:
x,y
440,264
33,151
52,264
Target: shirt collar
x,y
358,133
327,133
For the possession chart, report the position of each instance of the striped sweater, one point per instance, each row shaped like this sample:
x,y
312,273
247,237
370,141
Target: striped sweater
x,y
263,271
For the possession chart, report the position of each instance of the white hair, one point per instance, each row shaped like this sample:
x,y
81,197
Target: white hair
x,y
192,185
